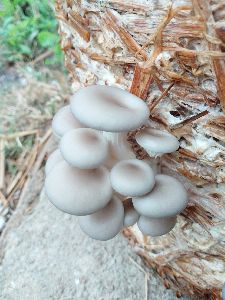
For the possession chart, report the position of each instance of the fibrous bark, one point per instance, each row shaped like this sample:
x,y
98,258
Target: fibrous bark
x,y
170,54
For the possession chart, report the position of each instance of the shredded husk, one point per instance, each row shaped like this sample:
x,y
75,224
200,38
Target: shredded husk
x,y
168,54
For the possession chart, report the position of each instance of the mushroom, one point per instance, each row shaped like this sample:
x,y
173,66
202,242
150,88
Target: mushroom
x,y
105,223
132,178
114,112
155,226
84,148
64,121
168,198
76,191
156,142
53,159
131,216
223,292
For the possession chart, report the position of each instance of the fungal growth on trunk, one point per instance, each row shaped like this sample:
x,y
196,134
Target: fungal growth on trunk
x,y
157,142
132,178
95,175
64,121
112,111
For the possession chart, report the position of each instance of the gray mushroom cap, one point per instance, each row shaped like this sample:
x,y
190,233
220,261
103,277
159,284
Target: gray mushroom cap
x,y
108,108
84,148
52,161
132,177
223,292
105,223
157,142
168,198
64,121
156,226
131,216
76,191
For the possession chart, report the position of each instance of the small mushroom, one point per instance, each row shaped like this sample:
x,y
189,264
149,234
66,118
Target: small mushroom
x,y
156,226
84,148
105,223
76,191
168,198
53,159
114,112
132,178
157,142
131,216
64,121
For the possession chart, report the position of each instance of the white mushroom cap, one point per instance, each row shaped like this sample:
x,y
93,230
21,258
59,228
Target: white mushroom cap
x,y
76,191
109,108
84,148
157,142
156,226
53,159
168,198
64,121
105,223
131,216
132,177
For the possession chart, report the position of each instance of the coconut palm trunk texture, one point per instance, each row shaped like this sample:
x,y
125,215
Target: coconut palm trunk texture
x,y
170,54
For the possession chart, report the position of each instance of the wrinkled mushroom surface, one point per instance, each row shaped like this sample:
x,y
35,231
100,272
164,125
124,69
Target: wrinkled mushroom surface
x,y
108,108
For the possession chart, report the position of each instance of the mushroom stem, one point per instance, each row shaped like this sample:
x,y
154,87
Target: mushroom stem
x,y
119,148
155,164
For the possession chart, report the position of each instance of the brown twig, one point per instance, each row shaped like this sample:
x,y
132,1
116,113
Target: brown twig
x,y
112,21
42,57
3,199
2,163
18,134
189,120
165,93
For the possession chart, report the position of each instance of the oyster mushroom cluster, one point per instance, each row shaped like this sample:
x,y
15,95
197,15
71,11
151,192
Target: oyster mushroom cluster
x,y
95,175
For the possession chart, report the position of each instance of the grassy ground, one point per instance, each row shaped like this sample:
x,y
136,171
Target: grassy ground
x,y
28,29
33,86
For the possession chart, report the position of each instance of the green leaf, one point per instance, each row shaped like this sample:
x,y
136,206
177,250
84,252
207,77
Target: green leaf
x,y
24,49
47,39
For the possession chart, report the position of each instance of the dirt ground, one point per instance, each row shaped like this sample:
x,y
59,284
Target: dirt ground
x,y
44,255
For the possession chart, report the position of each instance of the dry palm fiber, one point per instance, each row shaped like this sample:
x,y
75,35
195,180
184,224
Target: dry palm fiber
x,y
171,55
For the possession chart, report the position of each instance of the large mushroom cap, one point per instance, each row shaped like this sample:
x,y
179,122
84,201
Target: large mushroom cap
x,y
76,191
131,216
64,121
132,177
108,108
105,223
168,198
156,226
157,142
84,148
52,161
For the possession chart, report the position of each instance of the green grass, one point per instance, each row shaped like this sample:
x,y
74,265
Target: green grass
x,y
28,28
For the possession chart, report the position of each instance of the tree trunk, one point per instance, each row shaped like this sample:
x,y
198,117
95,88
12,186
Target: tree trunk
x,y
171,57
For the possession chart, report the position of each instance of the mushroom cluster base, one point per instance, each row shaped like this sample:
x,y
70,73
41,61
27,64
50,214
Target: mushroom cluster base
x,y
171,57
